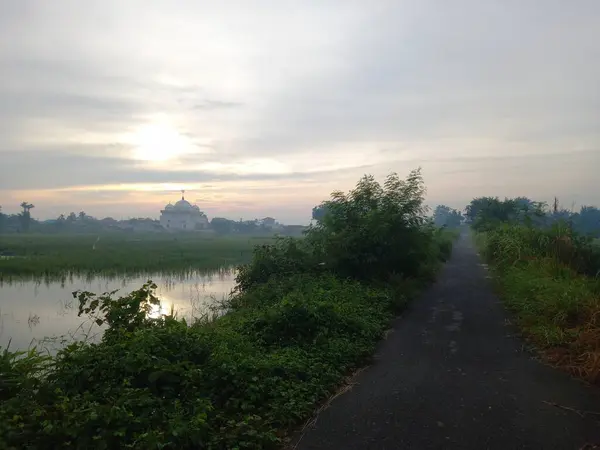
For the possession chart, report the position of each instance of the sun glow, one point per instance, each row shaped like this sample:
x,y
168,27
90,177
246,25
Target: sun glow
x,y
159,143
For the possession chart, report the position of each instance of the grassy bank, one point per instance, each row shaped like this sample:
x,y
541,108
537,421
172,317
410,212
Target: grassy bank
x,y
306,313
110,254
544,279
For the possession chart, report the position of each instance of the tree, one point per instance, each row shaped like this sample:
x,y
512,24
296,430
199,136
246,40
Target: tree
x,y
246,226
71,217
444,216
222,225
61,222
2,220
25,216
375,230
487,212
587,221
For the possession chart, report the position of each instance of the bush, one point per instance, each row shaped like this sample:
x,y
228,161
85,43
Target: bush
x,y
542,276
233,382
371,234
305,313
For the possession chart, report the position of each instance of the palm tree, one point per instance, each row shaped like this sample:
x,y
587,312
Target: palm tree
x,y
27,207
25,216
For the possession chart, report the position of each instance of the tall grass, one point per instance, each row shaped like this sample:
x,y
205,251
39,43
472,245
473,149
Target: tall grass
x,y
544,279
63,255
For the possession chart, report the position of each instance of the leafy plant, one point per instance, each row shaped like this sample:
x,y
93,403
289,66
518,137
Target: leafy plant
x,y
305,313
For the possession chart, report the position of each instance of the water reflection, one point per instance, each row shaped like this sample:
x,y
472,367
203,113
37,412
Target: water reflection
x,y
31,311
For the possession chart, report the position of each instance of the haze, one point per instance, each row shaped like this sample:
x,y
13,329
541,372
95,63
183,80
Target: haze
x,y
265,107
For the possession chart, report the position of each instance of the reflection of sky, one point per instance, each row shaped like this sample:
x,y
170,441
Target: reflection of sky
x,y
32,310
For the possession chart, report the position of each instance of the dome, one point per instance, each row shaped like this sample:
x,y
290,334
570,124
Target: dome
x,y
196,208
168,207
183,204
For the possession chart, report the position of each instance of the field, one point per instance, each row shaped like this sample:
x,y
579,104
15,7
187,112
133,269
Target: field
x,y
54,256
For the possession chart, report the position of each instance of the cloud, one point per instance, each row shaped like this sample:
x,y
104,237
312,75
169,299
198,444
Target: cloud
x,y
489,98
217,104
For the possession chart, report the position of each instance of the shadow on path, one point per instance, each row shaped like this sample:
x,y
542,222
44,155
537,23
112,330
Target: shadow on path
x,y
450,376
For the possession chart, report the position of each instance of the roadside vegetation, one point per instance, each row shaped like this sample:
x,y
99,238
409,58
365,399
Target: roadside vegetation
x,y
305,314
549,277
61,255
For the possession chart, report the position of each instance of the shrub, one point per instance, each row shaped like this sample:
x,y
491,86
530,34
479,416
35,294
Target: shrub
x,y
305,313
370,234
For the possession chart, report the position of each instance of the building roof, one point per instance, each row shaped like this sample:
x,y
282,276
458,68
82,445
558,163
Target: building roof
x,y
183,204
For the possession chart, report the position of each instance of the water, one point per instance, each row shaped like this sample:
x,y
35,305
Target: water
x,y
32,311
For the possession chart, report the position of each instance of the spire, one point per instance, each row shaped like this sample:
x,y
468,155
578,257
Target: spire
x,y
183,194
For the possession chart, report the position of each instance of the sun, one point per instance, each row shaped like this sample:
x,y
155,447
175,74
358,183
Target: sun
x,y
159,143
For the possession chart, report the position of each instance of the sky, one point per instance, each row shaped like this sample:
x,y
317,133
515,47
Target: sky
x,y
264,108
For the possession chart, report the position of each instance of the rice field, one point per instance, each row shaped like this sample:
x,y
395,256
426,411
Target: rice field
x,y
57,256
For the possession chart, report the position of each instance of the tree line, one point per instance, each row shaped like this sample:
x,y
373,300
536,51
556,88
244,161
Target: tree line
x,y
485,213
84,223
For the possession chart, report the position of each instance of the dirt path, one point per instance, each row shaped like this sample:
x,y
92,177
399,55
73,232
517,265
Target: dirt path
x,y
450,376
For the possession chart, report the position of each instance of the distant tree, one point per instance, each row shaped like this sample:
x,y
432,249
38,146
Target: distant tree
x,y
222,225
2,220
71,217
478,205
487,212
27,207
446,216
587,221
246,226
61,222
25,216
82,216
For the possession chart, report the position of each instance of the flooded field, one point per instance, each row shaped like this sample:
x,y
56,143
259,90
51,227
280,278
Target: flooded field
x,y
44,313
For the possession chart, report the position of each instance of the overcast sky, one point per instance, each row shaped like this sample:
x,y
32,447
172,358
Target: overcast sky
x,y
263,108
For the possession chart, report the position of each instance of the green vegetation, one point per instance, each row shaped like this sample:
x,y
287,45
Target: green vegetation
x,y
54,256
306,313
444,216
547,275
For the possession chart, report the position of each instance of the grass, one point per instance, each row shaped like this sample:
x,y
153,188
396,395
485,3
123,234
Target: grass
x,y
556,307
111,254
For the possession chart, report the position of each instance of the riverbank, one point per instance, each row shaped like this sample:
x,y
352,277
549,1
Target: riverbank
x,y
56,256
44,314
305,314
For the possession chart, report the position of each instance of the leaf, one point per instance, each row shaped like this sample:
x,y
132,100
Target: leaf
x,y
155,376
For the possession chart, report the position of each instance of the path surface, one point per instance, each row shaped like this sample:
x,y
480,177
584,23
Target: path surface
x,y
450,376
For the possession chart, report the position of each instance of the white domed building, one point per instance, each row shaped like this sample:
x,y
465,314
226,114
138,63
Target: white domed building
x,y
183,216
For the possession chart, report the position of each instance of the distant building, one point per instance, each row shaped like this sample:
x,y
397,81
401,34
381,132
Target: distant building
x,y
183,216
268,222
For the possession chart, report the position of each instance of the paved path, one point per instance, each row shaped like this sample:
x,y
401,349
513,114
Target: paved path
x,y
450,376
